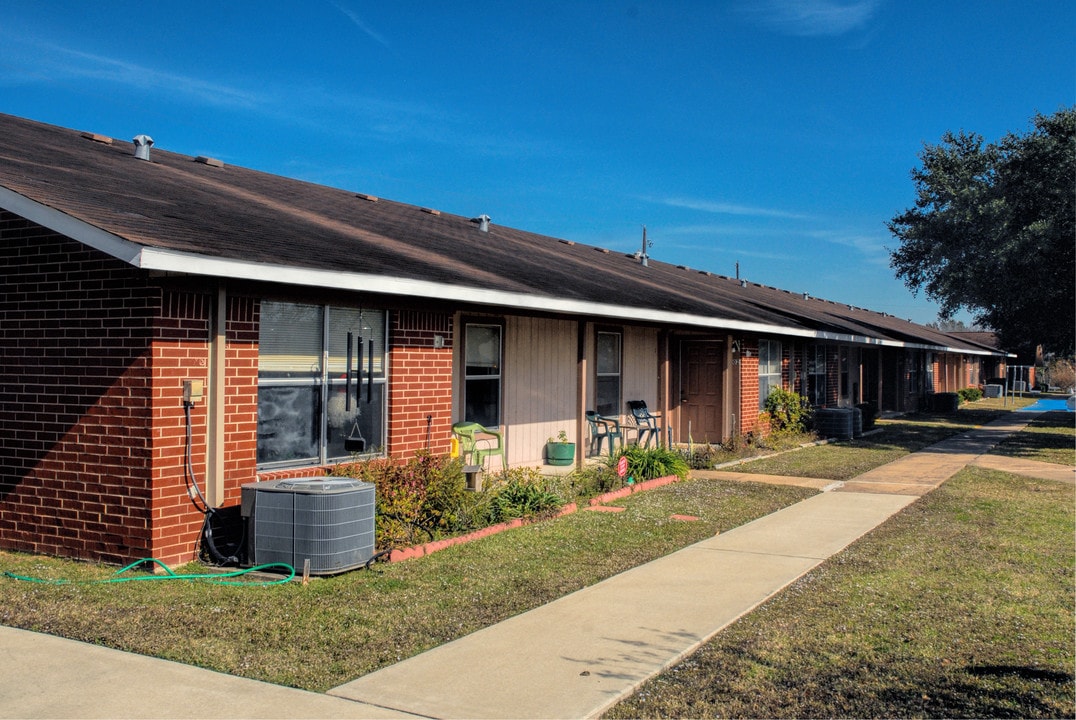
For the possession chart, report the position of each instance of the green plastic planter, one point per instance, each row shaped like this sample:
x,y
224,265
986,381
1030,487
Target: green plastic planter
x,y
558,453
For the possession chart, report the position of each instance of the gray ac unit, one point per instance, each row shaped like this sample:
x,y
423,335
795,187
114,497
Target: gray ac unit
x,y
328,521
836,422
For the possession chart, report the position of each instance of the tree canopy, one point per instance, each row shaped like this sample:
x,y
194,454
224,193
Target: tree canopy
x,y
993,232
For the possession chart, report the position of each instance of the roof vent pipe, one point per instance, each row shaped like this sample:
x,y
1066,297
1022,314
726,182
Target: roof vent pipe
x,y
142,145
483,223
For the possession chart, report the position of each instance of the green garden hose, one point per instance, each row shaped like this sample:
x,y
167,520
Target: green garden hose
x,y
218,578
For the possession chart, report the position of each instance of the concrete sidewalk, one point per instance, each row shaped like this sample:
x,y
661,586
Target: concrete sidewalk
x,y
572,658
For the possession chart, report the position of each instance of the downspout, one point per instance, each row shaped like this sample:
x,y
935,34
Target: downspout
x,y
216,407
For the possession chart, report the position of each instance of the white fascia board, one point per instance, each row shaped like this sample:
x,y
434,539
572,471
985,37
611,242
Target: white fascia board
x,y
72,227
171,261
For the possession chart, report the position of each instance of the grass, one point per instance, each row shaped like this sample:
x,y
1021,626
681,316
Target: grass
x,y
871,618
1051,437
845,459
338,628
960,606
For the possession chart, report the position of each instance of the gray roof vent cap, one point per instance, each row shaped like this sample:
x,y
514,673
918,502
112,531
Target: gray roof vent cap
x,y
483,222
142,145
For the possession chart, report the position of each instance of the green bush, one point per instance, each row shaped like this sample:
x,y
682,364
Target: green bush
x,y
521,492
650,463
970,394
416,499
788,411
590,481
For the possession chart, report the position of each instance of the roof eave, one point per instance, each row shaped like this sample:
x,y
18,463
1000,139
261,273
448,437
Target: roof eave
x,y
80,230
171,261
149,258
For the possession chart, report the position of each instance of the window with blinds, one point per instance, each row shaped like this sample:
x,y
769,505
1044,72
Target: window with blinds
x,y
607,374
321,383
769,369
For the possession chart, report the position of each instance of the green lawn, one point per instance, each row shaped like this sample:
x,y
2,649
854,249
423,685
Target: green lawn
x,y
845,459
960,606
969,591
337,628
1050,438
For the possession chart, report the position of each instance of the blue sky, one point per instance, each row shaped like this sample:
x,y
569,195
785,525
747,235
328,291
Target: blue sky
x,y
776,135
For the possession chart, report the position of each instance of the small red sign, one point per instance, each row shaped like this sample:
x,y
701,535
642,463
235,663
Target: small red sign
x,y
622,467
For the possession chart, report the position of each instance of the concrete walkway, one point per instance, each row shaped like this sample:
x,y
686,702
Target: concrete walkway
x,y
572,658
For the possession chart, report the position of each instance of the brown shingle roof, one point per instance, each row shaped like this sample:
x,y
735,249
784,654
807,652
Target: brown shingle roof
x,y
201,210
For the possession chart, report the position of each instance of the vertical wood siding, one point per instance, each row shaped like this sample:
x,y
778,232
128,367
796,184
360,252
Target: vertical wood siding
x,y
539,385
639,379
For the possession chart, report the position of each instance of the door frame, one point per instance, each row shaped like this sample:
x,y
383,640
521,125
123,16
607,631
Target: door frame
x,y
729,397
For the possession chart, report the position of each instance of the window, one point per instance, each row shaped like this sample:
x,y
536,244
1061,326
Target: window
x,y
308,410
816,375
930,372
914,364
482,374
769,369
607,374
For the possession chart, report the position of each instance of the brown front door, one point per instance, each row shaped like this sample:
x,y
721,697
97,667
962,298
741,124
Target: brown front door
x,y
701,397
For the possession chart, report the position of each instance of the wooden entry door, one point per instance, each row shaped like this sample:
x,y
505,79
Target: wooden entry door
x,y
701,392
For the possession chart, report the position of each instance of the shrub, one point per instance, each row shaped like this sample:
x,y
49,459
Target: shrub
x,y
590,481
788,411
521,492
650,463
416,499
1061,373
704,457
970,394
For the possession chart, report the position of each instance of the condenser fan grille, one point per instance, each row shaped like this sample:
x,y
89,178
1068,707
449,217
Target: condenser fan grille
x,y
326,521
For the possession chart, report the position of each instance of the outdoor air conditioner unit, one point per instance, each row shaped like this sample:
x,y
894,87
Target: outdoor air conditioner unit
x,y
328,521
836,422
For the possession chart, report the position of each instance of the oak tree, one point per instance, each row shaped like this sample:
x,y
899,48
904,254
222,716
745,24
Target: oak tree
x,y
993,232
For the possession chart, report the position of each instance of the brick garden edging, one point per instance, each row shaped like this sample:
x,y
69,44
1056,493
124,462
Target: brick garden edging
x,y
417,551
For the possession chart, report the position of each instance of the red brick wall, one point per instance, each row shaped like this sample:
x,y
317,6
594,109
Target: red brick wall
x,y
749,386
241,401
75,405
92,427
420,382
180,352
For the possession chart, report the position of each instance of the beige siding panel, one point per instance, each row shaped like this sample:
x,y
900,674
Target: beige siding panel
x,y
640,368
539,385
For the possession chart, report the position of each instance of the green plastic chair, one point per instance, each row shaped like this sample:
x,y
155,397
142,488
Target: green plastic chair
x,y
647,425
602,427
479,443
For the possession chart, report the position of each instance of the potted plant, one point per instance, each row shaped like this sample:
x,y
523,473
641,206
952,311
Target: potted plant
x,y
558,451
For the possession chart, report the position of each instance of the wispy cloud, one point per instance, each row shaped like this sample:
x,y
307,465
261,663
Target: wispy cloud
x,y
812,18
359,23
39,61
870,247
718,207
330,110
